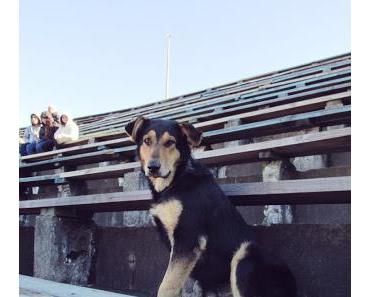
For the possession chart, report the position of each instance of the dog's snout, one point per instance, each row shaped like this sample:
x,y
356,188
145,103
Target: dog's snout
x,y
154,166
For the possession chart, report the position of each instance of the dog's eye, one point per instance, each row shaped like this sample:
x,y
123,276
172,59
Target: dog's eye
x,y
169,143
147,141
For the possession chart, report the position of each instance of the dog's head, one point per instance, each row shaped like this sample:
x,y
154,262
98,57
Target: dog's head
x,y
162,146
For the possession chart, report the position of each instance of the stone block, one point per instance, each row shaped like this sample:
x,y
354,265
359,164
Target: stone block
x,y
274,171
64,249
310,162
27,220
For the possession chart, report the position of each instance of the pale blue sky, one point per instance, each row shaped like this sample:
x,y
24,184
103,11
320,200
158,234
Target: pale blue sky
x,y
92,56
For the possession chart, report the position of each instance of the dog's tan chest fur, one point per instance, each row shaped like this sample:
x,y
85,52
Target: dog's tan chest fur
x,y
168,213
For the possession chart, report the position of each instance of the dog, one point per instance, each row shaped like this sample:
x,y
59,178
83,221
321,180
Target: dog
x,y
207,237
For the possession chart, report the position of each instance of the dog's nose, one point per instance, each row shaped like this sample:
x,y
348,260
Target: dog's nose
x,y
154,166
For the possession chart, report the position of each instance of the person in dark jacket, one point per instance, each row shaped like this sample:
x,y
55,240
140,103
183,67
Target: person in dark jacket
x,y
49,127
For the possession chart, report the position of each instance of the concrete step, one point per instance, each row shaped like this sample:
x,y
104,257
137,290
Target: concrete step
x,y
37,287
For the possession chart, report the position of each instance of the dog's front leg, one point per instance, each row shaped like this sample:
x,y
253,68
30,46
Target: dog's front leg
x,y
177,273
179,268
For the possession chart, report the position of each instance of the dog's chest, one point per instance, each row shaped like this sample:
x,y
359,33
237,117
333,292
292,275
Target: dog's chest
x,y
168,213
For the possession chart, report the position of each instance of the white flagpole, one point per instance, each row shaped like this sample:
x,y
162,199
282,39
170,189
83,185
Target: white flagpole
x,y
168,41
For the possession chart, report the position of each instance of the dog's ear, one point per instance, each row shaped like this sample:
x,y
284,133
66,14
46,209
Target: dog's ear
x,y
133,127
193,136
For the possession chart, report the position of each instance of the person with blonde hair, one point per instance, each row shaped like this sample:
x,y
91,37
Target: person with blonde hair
x,y
55,114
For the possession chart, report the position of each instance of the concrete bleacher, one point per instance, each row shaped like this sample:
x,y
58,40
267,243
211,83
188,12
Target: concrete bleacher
x,y
36,287
279,144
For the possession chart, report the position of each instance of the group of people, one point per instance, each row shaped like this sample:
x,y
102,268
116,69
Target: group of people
x,y
46,131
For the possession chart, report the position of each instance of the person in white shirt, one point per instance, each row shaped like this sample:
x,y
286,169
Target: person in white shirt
x,y
68,130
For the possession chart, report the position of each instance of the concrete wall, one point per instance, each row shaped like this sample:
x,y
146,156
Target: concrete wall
x,y
26,255
135,259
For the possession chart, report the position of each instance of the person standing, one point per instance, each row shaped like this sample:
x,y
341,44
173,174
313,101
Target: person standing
x,y
55,114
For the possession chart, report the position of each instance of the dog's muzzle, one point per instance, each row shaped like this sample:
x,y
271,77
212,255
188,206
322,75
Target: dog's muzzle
x,y
153,167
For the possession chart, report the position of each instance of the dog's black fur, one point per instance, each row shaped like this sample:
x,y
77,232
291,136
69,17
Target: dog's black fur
x,y
207,212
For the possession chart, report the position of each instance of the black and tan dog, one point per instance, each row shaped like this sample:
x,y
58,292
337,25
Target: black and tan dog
x,y
207,237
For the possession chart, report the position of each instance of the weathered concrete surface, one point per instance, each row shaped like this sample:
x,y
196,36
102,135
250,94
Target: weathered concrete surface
x,y
132,181
27,220
130,258
340,159
103,186
64,249
310,162
26,241
323,214
319,256
248,169
274,171
36,287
